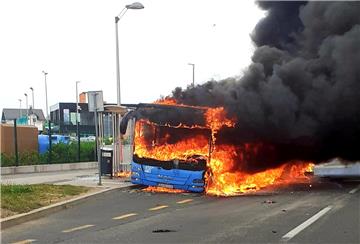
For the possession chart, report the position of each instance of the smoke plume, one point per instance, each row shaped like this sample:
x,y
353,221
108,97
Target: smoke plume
x,y
301,93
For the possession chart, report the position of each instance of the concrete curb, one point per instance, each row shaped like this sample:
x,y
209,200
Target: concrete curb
x,y
47,168
44,211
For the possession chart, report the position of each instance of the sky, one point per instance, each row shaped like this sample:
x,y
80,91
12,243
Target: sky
x,y
75,41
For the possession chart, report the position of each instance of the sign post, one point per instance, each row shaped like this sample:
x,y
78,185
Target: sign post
x,y
96,104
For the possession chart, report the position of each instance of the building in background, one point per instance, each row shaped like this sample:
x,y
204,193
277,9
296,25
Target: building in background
x,y
29,116
63,117
83,97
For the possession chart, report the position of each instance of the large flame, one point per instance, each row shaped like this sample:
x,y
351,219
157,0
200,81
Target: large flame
x,y
224,175
222,181
164,151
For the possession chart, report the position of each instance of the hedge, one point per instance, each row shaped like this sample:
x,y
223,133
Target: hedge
x,y
61,153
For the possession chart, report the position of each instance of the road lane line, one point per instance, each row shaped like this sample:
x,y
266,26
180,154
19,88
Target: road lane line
x,y
24,241
158,207
305,224
185,201
125,216
77,228
354,190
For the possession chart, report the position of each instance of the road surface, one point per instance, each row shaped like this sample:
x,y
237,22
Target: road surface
x,y
327,212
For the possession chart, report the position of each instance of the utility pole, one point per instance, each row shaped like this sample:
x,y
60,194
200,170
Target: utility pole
x,y
32,94
46,96
27,108
97,138
20,112
77,122
48,119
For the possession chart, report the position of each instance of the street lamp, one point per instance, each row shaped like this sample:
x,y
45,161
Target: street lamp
x,y
135,5
46,96
27,107
20,112
32,94
117,138
77,121
193,73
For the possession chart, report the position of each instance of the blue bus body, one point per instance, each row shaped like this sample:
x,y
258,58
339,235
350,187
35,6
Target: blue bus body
x,y
166,126
170,178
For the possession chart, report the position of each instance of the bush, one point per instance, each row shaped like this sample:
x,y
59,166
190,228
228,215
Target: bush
x,y
67,153
26,158
60,153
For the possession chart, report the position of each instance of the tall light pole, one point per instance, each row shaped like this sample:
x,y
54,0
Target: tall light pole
x,y
117,138
77,121
27,107
46,96
193,74
32,94
20,112
135,5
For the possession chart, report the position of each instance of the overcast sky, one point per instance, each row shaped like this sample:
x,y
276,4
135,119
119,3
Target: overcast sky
x,y
75,40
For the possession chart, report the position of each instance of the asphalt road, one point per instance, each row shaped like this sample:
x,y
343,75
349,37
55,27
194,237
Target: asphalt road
x,y
327,212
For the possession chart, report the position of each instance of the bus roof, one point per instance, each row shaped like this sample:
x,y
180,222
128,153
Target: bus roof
x,y
168,115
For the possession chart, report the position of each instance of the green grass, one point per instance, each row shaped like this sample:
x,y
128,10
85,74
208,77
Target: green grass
x,y
24,198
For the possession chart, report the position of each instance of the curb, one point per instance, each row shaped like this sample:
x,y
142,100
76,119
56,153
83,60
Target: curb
x,y
44,211
42,168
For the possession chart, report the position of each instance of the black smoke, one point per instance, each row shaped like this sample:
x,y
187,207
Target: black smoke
x,y
301,93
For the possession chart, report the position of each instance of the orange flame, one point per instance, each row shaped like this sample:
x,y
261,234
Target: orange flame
x,y
224,175
165,151
162,189
123,174
225,183
166,101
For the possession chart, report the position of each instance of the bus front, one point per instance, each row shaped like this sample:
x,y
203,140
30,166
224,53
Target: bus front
x,y
170,155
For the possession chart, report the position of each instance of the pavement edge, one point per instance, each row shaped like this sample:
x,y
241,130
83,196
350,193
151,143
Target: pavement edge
x,y
44,211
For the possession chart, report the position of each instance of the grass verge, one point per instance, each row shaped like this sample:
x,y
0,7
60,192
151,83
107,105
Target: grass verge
x,y
17,199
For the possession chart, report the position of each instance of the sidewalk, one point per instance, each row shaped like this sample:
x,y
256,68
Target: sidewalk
x,y
87,177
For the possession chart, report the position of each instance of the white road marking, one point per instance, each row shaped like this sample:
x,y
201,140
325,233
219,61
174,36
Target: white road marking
x,y
158,207
125,216
185,201
77,228
354,190
304,225
24,241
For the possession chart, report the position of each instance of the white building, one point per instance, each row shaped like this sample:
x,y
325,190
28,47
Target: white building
x,y
30,116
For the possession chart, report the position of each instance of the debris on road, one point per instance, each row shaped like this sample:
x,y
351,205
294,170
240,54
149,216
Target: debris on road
x,y
163,231
269,201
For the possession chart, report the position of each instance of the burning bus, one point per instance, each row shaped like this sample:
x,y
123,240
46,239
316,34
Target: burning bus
x,y
169,151
180,147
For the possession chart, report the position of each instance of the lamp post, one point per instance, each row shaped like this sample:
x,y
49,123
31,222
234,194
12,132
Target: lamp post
x,y
20,112
48,119
77,121
135,5
27,107
32,94
46,96
193,74
117,138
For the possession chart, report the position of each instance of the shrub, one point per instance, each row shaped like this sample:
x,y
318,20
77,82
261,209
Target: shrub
x,y
60,153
